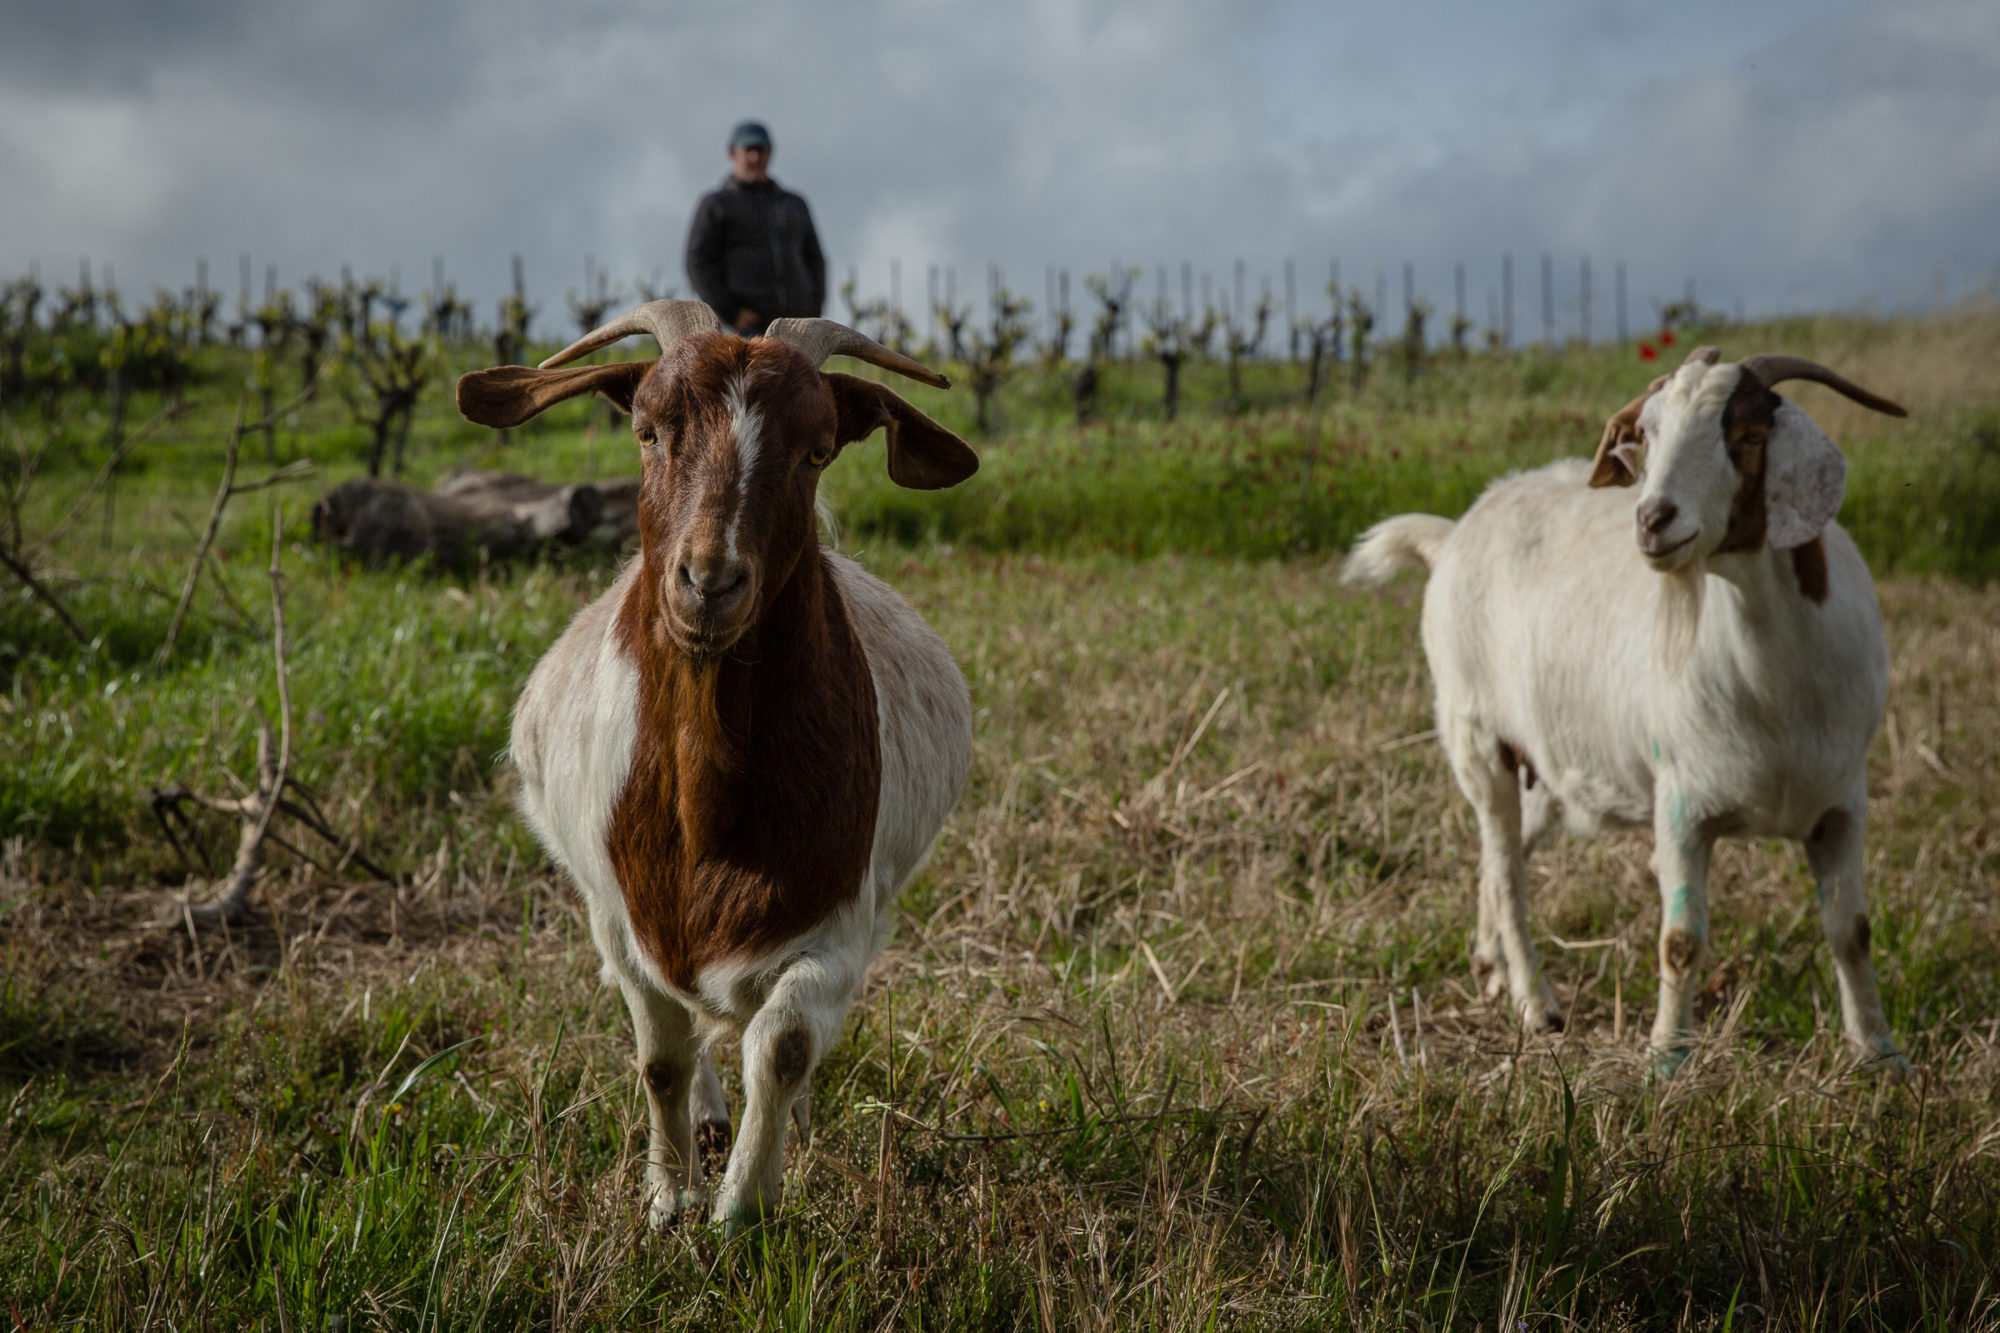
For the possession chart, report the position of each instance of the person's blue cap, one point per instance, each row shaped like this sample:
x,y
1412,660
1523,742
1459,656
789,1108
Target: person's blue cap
x,y
750,134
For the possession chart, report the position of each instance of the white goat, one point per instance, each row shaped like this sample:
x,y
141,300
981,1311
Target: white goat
x,y
742,751
1722,675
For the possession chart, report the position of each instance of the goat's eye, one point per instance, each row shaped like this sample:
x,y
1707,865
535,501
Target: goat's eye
x,y
821,456
648,438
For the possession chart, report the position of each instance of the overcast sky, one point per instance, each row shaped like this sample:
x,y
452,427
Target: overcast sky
x,y
1784,154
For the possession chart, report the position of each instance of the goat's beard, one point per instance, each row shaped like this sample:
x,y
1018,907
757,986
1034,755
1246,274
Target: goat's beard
x,y
1677,618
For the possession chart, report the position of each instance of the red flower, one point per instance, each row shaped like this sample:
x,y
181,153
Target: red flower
x,y
1646,352
1666,337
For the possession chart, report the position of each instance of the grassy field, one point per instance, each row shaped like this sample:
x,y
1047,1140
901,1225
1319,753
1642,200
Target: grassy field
x,y
1176,1030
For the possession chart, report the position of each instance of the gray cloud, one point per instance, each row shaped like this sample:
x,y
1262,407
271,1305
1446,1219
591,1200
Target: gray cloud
x,y
1800,154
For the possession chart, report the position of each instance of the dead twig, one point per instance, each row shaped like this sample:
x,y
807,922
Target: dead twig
x,y
19,555
26,575
296,470
232,904
118,455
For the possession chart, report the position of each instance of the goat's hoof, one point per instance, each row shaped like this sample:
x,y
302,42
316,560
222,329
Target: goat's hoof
x,y
670,1205
1886,1059
741,1220
1663,1062
1551,1023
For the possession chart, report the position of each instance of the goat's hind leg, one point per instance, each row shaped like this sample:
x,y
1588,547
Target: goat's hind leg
x,y
1834,850
709,1108
1504,948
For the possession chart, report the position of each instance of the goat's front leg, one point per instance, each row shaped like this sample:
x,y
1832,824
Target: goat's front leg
x,y
782,1046
1504,942
1834,849
670,1056
1681,847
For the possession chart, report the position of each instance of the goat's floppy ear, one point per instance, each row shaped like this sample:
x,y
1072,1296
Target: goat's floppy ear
x,y
1617,461
923,455
509,395
1805,478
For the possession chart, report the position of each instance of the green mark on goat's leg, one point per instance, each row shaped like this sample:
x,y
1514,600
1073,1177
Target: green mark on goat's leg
x,y
1681,914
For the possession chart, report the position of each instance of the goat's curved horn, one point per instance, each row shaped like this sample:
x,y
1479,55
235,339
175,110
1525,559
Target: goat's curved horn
x,y
667,321
1775,369
822,338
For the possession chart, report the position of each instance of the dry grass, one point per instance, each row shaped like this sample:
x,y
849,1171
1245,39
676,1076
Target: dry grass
x,y
1175,1032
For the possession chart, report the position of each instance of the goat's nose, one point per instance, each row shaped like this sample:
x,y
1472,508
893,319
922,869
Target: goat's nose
x,y
1657,515
713,581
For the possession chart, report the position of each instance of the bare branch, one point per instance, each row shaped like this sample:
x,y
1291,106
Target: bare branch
x,y
297,470
222,493
35,585
232,903
118,455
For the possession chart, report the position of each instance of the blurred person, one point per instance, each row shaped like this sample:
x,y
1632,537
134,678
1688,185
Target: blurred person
x,y
752,253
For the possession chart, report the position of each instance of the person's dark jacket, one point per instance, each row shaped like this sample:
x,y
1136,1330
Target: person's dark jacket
x,y
752,246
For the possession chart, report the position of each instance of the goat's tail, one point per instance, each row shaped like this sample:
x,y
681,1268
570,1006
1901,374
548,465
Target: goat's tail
x,y
1394,544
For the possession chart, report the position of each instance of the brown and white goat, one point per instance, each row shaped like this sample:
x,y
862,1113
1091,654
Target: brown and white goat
x,y
1705,658
743,750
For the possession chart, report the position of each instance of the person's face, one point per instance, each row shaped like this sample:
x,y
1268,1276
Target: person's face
x,y
751,163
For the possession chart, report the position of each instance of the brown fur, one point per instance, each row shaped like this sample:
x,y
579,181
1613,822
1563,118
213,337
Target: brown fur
x,y
1746,428
748,814
1682,950
1809,564
509,395
1857,944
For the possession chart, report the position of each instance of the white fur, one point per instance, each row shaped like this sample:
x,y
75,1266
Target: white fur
x,y
746,426
1543,624
574,730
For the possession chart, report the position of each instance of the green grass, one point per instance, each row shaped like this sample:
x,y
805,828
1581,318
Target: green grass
x,y
1129,1060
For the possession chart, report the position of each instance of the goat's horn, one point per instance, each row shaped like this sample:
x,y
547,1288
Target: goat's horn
x,y
822,338
1774,370
1706,356
667,321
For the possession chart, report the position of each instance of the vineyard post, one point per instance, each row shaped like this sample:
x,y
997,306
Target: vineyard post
x,y
951,301
1291,315
242,293
1506,300
1583,302
931,304
1621,301
1333,291
1187,290
1549,301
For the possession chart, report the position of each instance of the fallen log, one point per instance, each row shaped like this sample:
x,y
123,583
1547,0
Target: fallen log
x,y
472,515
